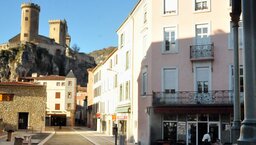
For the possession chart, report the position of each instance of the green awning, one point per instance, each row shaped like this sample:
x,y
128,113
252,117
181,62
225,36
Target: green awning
x,y
123,109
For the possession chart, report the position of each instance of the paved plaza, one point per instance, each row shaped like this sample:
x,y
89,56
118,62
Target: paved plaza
x,y
63,136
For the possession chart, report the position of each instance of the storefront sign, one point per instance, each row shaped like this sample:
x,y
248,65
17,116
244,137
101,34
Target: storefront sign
x,y
121,117
98,115
113,117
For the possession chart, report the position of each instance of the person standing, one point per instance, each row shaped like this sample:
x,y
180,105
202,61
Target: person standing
x,y
218,142
206,139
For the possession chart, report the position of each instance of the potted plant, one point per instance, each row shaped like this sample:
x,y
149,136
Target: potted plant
x,y
1,126
9,128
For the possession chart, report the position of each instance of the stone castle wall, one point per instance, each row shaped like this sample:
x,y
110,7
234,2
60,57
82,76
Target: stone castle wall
x,y
30,99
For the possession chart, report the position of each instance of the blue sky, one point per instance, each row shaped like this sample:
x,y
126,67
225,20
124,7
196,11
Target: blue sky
x,y
92,24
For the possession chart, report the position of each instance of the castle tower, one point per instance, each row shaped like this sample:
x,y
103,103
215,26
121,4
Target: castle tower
x,y
58,31
29,21
68,40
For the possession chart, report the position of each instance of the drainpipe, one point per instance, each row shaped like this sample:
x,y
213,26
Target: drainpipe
x,y
235,16
248,128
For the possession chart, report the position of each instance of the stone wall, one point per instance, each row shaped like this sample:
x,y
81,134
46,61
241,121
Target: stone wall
x,y
27,98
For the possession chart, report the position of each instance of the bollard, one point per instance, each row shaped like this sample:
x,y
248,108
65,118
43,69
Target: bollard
x,y
122,140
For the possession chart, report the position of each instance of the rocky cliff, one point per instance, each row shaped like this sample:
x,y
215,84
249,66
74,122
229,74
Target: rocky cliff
x,y
25,59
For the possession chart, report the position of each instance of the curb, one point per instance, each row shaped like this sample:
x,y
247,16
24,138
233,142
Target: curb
x,y
46,139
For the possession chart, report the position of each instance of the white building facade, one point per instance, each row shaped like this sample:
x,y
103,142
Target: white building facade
x,y
60,104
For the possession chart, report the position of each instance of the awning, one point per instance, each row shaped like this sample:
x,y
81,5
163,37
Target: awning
x,y
123,109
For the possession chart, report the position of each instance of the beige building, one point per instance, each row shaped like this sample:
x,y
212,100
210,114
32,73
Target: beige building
x,y
61,93
22,105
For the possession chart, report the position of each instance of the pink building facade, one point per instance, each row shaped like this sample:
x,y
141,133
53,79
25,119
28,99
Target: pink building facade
x,y
182,68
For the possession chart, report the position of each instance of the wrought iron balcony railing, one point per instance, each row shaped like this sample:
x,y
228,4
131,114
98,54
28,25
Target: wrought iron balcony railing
x,y
201,52
217,97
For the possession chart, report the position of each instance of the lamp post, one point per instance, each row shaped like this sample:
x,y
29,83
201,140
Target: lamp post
x,y
235,17
248,128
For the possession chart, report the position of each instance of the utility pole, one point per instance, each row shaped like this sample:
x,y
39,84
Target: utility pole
x,y
248,128
235,18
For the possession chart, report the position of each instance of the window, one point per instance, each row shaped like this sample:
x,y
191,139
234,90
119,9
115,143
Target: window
x,y
116,59
27,10
170,130
127,90
68,105
69,83
25,34
170,42
69,95
63,84
97,77
144,83
202,5
121,92
202,79
57,83
57,106
127,56
57,95
115,80
6,97
170,80
110,63
97,91
241,78
26,18
122,40
145,15
170,6
202,34
202,86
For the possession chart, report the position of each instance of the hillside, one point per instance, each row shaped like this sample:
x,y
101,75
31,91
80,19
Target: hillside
x,y
102,54
23,60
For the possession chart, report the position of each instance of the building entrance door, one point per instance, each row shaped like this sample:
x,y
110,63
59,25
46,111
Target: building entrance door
x,y
202,129
192,135
214,131
23,120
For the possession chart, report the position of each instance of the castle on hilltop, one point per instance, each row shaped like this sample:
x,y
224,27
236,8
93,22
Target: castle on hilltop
x,y
29,52
57,41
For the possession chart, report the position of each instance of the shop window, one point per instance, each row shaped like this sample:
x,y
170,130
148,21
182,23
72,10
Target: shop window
x,y
214,117
202,117
170,131
192,117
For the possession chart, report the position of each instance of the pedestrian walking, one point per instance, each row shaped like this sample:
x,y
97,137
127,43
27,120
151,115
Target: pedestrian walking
x,y
218,142
206,139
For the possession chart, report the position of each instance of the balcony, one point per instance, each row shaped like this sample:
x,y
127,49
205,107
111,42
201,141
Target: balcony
x,y
201,52
217,97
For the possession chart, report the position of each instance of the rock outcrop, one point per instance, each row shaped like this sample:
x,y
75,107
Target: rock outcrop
x,y
25,59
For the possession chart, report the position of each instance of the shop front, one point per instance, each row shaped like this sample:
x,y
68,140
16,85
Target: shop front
x,y
187,125
123,121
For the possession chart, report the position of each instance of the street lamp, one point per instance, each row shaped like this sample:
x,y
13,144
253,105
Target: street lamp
x,y
235,17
